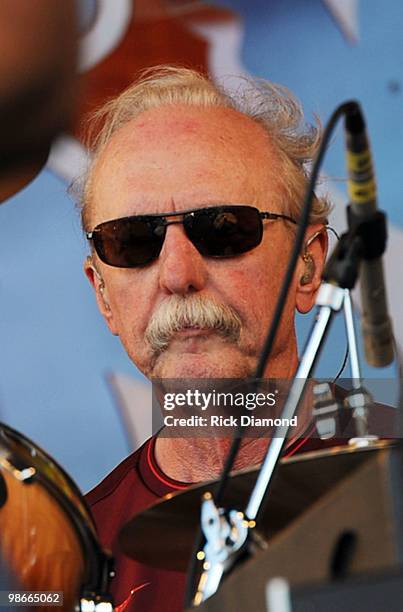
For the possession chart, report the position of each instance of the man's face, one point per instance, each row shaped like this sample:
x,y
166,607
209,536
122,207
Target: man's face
x,y
174,158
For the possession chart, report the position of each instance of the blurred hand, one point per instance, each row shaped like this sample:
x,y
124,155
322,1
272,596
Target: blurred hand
x,y
38,52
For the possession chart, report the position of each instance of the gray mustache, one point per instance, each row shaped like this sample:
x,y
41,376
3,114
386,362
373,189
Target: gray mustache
x,y
179,313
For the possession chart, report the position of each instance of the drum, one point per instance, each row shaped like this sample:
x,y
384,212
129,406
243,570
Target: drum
x,y
48,538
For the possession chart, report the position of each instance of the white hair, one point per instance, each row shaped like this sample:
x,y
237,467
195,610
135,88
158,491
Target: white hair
x,y
272,106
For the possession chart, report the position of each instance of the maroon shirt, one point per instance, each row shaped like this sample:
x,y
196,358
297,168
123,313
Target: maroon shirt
x,y
132,486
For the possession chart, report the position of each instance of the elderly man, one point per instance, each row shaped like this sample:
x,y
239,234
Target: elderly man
x,y
176,161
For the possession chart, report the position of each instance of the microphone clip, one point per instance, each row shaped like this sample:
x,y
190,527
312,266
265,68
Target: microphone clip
x,y
372,232
365,239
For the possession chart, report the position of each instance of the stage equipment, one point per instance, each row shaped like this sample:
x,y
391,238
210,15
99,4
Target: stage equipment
x,y
227,533
333,525
301,482
48,538
368,226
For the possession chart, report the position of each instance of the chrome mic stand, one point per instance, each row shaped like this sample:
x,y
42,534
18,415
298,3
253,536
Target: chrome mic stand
x,y
327,409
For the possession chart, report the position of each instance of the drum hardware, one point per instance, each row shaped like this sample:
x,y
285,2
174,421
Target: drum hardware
x,y
278,597
225,537
351,535
325,410
358,401
95,604
23,474
330,412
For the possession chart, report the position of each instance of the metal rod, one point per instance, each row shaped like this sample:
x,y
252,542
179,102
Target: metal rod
x,y
329,300
278,596
291,404
352,340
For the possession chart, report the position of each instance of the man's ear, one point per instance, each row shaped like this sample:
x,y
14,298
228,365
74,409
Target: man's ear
x,y
310,267
98,284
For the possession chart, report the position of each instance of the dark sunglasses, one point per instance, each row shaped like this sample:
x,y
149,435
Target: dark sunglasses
x,y
216,231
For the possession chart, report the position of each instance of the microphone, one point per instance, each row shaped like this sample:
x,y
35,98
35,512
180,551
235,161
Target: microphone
x,y
376,326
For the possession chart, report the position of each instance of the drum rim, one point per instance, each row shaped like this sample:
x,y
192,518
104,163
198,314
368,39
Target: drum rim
x,y
94,556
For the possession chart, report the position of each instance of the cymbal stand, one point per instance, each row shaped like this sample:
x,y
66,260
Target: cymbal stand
x,y
227,536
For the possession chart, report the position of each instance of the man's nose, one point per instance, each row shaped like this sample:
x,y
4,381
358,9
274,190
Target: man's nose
x,y
182,268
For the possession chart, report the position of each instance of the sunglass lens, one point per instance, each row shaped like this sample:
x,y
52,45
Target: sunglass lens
x,y
129,243
224,231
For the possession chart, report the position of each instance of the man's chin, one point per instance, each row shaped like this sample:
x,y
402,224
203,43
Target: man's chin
x,y
202,365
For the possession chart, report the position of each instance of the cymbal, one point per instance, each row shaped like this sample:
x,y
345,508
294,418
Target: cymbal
x,y
163,535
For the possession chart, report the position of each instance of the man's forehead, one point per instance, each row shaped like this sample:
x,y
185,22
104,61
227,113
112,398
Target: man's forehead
x,y
209,154
168,123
